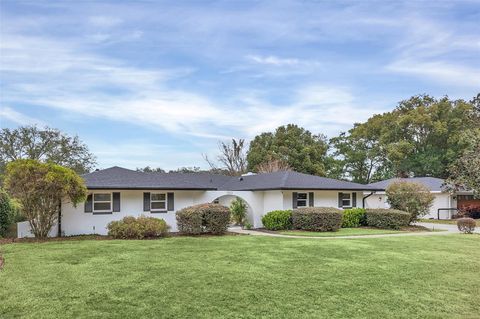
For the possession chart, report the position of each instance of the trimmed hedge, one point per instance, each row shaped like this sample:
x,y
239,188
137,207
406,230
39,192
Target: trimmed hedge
x,y
277,220
466,225
317,218
203,218
387,218
353,217
138,228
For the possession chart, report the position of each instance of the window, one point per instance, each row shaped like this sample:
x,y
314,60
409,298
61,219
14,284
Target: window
x,y
346,200
302,199
158,201
102,202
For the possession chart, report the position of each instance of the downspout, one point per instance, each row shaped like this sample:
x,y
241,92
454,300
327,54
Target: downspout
x,y
59,220
364,198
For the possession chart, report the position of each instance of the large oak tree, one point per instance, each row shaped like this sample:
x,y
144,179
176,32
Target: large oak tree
x,y
45,145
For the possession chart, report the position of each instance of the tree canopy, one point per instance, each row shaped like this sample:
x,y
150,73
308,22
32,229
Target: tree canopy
x,y
293,145
421,137
40,188
45,145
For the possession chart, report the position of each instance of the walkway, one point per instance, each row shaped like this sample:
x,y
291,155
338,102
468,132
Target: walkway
x,y
446,230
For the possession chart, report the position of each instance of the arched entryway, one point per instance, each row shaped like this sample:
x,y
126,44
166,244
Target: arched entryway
x,y
226,200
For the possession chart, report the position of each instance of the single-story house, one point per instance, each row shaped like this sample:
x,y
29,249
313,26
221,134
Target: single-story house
x,y
445,204
117,192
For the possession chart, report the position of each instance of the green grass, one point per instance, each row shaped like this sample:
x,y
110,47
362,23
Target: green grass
x,y
444,221
341,232
243,277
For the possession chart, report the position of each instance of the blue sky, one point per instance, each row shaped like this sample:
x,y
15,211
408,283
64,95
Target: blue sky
x,y
159,83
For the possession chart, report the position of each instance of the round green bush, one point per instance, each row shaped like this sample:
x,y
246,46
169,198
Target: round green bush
x,y
387,218
203,218
138,228
277,220
353,217
317,218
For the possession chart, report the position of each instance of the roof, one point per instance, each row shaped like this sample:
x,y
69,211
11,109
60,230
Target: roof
x,y
122,178
432,183
290,180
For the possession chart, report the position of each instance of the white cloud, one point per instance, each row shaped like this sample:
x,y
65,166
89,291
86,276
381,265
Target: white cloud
x,y
80,83
17,117
273,60
429,50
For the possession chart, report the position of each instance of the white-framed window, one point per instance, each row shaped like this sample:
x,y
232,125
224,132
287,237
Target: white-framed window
x,y
346,200
158,201
302,199
102,202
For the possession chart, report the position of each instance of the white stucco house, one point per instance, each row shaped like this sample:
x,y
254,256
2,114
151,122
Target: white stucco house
x,y
118,192
445,204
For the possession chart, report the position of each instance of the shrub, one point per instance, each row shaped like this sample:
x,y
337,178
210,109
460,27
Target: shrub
x,y
238,209
317,218
277,220
387,218
138,228
354,217
203,218
466,225
8,212
413,198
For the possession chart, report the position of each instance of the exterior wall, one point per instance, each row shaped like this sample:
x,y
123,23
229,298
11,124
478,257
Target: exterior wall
x,y
75,221
442,200
321,198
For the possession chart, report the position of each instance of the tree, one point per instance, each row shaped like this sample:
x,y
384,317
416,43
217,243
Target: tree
x,y
8,210
148,169
421,137
465,172
294,145
232,157
273,165
413,198
45,145
40,189
238,209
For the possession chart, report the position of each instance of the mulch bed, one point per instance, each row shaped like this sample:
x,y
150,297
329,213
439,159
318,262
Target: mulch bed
x,y
99,237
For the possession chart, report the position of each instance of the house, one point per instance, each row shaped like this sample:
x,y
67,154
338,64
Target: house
x,y
117,192
445,204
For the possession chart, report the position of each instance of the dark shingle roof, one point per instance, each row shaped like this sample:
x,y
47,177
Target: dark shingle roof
x,y
432,183
121,178
290,180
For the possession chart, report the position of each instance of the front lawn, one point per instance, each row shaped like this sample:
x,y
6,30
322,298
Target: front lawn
x,y
243,277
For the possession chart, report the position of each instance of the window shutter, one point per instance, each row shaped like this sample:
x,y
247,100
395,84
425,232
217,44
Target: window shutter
x,y
116,202
170,201
354,199
294,200
89,204
310,199
340,195
146,202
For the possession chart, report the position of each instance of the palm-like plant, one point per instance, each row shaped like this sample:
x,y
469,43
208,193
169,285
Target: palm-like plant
x,y
238,209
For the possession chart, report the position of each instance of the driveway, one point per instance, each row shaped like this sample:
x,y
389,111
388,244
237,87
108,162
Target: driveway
x,y
447,227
